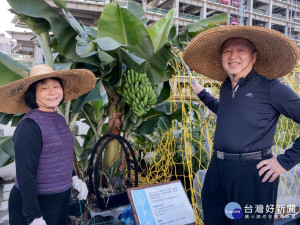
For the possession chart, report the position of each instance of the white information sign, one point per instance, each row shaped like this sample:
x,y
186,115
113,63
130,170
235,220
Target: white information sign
x,y
165,204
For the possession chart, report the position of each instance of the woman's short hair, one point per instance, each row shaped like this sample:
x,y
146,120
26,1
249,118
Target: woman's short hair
x,y
30,94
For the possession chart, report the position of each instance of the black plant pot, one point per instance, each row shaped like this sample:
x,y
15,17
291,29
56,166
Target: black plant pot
x,y
117,199
113,201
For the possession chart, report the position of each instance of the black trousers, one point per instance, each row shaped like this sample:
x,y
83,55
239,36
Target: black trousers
x,y
239,182
54,207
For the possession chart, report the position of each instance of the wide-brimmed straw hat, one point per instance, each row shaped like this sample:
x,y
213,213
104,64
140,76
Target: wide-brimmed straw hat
x,y
76,82
277,55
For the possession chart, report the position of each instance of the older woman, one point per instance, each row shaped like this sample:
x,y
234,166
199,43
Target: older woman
x,y
43,144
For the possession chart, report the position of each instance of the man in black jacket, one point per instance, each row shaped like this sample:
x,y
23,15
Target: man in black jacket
x,y
244,173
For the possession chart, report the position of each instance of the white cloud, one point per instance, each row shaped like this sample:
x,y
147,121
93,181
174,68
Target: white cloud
x,y
6,18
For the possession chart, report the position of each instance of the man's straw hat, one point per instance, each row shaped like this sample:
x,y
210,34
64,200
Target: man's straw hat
x,y
76,82
277,55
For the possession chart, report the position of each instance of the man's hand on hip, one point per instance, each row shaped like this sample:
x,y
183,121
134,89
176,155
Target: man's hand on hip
x,y
271,168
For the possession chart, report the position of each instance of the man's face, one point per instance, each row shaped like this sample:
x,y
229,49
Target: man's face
x,y
238,57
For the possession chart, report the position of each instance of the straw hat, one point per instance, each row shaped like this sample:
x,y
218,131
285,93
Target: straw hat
x,y
277,55
76,82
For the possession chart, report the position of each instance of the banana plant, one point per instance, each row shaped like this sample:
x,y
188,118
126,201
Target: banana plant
x,y
120,43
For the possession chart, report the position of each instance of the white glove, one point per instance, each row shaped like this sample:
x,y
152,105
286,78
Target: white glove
x,y
81,187
38,221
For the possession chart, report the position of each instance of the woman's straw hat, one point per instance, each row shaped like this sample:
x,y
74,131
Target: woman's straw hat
x,y
277,55
76,82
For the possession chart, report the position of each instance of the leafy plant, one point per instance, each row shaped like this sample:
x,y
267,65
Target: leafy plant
x,y
109,52
7,154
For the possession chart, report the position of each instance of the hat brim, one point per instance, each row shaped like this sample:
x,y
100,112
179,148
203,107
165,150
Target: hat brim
x,y
277,55
76,82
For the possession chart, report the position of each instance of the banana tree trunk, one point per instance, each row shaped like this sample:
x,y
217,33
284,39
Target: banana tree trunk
x,y
115,121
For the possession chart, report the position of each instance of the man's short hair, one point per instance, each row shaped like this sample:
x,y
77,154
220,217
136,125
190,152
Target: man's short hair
x,y
30,94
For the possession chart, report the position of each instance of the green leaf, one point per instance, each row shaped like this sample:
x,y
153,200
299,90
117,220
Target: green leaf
x,y
93,95
11,70
182,38
62,66
37,25
85,48
124,27
165,92
5,118
205,24
78,149
159,33
3,157
165,123
108,44
62,30
136,9
115,49
76,25
86,153
62,4
16,120
97,106
134,62
147,127
6,150
158,70
191,30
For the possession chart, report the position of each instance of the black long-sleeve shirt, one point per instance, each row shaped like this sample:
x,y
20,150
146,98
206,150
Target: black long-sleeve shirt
x,y
248,114
28,146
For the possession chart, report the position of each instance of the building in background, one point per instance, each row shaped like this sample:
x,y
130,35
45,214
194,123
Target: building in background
x,y
6,44
280,15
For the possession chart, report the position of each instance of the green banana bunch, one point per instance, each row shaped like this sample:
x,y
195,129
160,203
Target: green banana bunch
x,y
137,91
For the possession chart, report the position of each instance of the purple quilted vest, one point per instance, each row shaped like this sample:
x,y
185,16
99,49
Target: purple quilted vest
x,y
55,166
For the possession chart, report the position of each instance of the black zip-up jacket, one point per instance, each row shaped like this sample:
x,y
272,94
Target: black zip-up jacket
x,y
248,114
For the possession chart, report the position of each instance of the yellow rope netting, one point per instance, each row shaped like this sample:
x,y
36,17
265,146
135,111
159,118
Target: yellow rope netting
x,y
182,151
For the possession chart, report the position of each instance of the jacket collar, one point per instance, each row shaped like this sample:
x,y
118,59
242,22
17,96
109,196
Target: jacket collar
x,y
243,80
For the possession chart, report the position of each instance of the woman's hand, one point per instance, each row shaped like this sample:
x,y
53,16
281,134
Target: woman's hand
x,y
81,187
38,221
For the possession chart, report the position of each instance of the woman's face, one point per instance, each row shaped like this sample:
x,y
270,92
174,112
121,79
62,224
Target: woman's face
x,y
49,94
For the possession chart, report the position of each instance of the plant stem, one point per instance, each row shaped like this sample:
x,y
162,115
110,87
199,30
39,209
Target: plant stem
x,y
91,124
43,38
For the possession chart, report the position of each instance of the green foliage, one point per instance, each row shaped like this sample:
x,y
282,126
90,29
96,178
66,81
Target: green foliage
x,y
121,42
7,154
11,70
64,34
287,132
123,26
112,171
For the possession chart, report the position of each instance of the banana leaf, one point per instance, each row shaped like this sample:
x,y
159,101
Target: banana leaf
x,y
124,27
11,70
62,30
158,69
119,51
159,116
159,32
93,95
184,37
6,150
